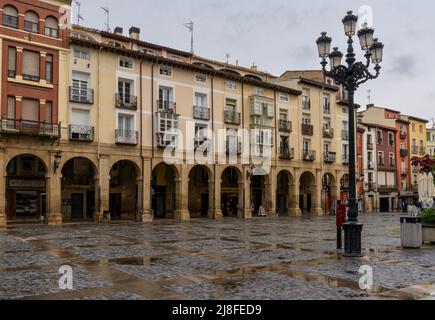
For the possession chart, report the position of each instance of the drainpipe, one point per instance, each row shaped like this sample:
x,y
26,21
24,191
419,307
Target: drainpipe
x,y
242,115
152,130
214,145
100,207
141,137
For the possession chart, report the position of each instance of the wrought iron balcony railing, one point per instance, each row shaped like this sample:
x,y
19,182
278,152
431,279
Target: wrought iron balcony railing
x,y
126,101
308,155
285,126
307,129
81,95
81,133
231,117
329,157
166,140
328,133
29,127
201,113
286,153
166,106
128,137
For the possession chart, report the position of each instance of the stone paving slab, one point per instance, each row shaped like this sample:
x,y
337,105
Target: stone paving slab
x,y
117,252
27,259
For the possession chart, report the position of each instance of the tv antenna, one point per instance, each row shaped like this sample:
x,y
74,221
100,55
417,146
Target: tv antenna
x,y
79,15
107,14
227,58
189,26
369,96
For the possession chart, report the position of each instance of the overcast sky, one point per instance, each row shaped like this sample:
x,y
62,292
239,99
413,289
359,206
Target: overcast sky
x,y
279,35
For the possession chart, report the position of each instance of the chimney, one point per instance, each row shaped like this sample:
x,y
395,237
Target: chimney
x,y
371,105
118,31
134,33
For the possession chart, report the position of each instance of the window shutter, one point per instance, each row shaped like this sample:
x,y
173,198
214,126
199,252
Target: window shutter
x,y
11,108
30,110
270,110
31,63
48,109
12,59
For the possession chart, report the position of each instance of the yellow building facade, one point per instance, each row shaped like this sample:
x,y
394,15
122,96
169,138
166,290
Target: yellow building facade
x,y
417,143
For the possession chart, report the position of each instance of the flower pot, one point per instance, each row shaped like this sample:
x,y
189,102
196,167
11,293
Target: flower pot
x,y
428,232
410,232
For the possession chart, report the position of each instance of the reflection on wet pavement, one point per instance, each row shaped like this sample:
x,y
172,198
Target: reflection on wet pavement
x,y
284,258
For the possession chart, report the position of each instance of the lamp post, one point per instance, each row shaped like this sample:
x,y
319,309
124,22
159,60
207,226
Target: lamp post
x,y
351,76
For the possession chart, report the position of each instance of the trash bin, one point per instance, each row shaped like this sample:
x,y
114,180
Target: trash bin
x,y
411,233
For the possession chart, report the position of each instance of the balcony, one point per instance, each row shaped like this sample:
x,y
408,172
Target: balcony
x,y
309,155
370,146
125,101
345,159
345,134
329,157
127,137
386,189
165,140
328,133
201,113
286,153
371,187
30,128
81,133
166,106
231,117
306,104
307,129
403,153
371,165
414,149
403,135
285,126
81,95
422,151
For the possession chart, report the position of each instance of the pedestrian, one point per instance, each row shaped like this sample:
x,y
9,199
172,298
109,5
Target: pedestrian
x,y
261,211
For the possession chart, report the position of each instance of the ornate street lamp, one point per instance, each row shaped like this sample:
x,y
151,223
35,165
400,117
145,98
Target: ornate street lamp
x,y
351,76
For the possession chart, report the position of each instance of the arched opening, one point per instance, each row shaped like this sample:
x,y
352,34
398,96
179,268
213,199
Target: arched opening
x,y
123,193
344,187
258,193
231,192
51,27
164,191
26,188
284,181
31,22
198,191
328,185
307,192
10,16
78,190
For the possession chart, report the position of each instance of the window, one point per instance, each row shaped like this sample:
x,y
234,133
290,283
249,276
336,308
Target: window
x,y
414,143
48,112
167,123
306,145
51,27
125,90
391,139
166,71
49,68
381,158
200,100
326,104
200,131
258,91
11,108
413,127
80,117
82,54
31,22
10,17
380,137
201,77
30,110
392,161
345,151
12,62
421,129
370,177
326,147
30,65
369,139
79,90
283,115
165,94
125,122
306,99
284,97
306,119
326,123
126,63
231,85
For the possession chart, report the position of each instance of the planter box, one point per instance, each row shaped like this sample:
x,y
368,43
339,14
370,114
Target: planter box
x,y
428,233
410,232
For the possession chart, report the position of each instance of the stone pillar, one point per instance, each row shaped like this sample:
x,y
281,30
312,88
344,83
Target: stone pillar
x,y
182,195
18,108
19,63
42,116
42,60
214,191
245,191
270,188
104,186
54,193
146,214
3,218
294,196
316,191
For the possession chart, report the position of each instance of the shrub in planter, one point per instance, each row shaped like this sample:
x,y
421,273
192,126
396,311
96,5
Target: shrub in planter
x,y
427,219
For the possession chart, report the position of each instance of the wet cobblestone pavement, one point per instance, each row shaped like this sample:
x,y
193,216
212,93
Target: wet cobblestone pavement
x,y
262,258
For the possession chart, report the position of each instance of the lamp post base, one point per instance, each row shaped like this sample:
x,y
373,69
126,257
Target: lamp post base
x,y
352,240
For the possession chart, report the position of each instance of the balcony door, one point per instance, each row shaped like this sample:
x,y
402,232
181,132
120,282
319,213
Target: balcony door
x,y
125,123
80,90
80,117
125,90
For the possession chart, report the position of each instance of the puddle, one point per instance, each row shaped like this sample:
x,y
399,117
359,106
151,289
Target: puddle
x,y
136,261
